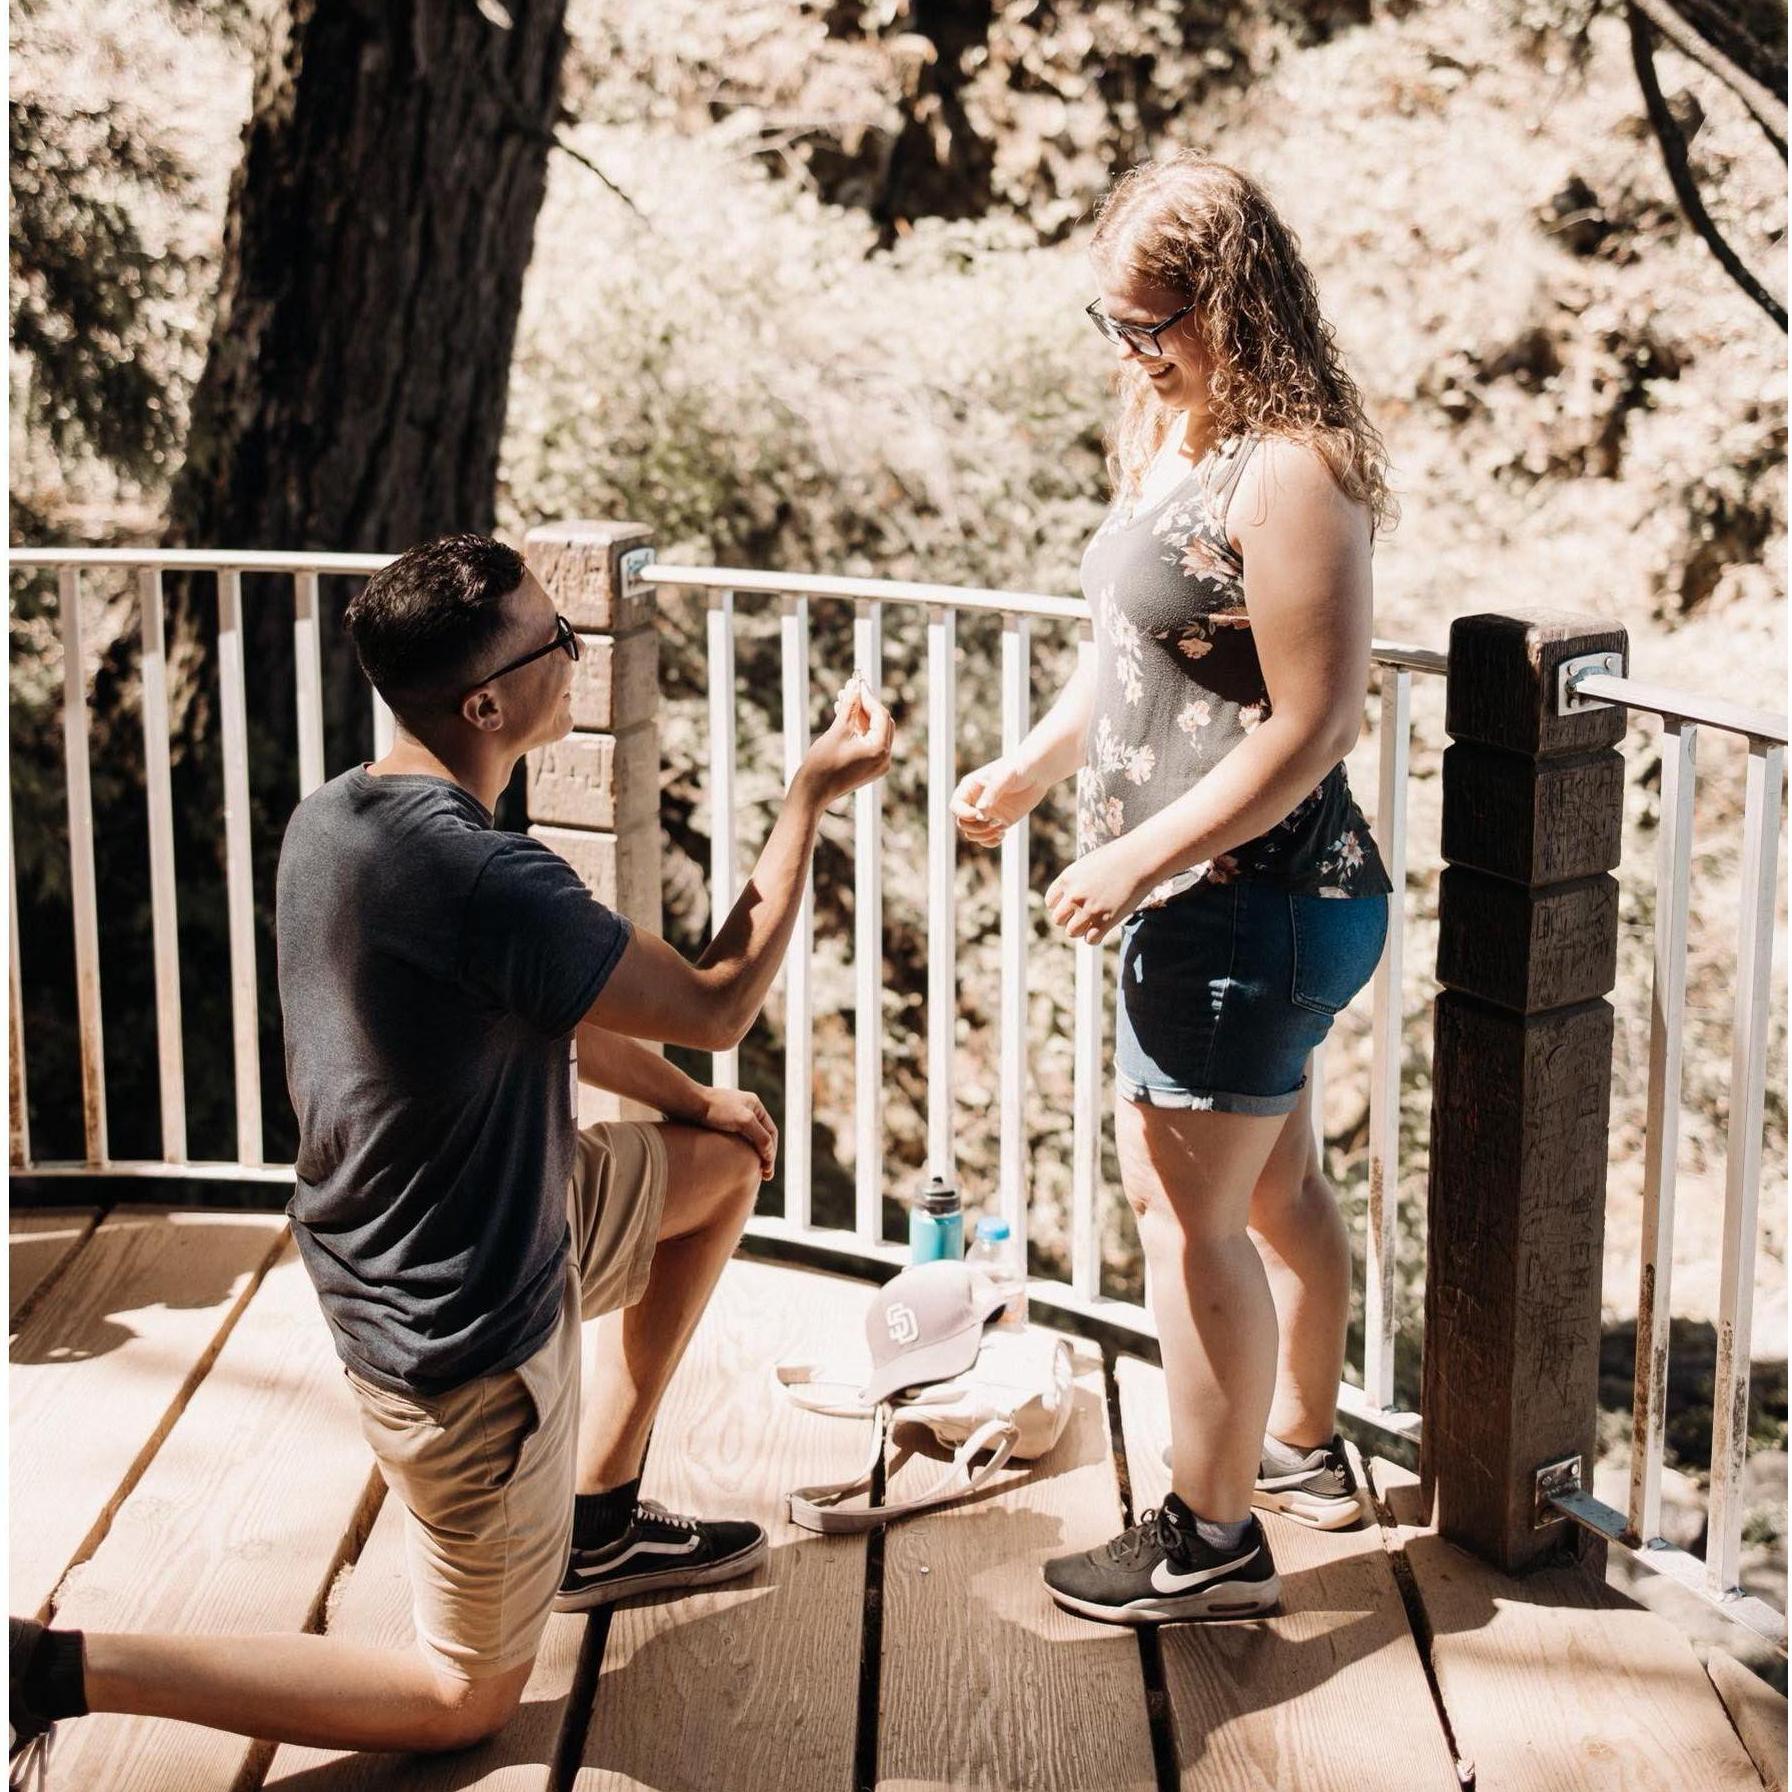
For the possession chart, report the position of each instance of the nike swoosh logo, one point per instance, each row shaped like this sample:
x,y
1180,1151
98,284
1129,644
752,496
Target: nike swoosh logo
x,y
1166,1580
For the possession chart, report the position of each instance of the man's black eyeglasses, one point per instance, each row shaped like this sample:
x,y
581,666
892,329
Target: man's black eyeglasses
x,y
1142,337
563,638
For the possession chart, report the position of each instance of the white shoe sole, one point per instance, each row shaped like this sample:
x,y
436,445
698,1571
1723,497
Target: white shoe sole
x,y
608,1592
1227,1599
1310,1509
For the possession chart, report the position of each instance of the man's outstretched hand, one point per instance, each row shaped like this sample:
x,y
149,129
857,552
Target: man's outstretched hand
x,y
855,750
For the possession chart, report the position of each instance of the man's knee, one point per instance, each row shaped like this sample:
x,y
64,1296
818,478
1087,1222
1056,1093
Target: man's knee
x,y
465,1712
739,1179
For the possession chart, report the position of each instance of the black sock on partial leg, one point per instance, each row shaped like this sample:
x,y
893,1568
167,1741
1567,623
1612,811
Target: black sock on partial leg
x,y
600,1518
56,1676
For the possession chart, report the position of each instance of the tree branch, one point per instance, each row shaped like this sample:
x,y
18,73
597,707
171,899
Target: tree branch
x,y
1673,150
1764,105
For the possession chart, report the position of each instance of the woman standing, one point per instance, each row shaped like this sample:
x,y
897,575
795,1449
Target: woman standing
x,y
1230,591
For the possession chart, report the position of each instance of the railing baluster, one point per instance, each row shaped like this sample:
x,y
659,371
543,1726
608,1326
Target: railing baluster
x,y
799,1020
19,1134
1379,1280
171,1057
82,883
1667,1006
719,620
1085,1099
239,877
1742,1150
868,954
1016,936
307,653
385,727
942,920
1085,1125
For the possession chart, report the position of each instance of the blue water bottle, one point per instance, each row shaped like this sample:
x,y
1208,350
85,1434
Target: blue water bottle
x,y
936,1223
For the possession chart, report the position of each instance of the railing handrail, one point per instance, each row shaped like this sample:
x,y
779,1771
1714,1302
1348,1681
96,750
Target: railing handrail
x,y
954,597
203,559
1665,701
1682,706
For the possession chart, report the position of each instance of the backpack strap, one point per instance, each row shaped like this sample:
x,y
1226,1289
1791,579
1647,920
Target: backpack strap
x,y
818,1508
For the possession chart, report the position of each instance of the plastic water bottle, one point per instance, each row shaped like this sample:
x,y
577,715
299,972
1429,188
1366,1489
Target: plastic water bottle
x,y
994,1248
936,1223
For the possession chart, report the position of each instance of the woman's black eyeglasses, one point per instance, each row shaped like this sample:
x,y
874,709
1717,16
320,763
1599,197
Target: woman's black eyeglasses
x,y
1142,337
564,637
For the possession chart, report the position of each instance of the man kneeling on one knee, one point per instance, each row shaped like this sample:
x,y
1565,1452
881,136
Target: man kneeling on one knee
x,y
444,987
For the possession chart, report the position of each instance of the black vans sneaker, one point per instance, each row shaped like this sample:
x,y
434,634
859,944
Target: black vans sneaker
x,y
1319,1490
660,1549
1161,1572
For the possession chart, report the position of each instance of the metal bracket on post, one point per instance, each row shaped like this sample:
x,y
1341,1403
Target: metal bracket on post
x,y
632,565
1552,1479
1570,672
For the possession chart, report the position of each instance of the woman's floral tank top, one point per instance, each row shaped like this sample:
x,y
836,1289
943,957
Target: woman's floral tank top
x,y
1178,686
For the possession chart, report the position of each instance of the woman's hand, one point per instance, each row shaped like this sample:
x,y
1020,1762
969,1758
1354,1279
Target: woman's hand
x,y
1092,897
744,1115
990,800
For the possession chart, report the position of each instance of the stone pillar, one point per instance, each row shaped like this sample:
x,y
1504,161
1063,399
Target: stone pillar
x,y
594,797
1521,1080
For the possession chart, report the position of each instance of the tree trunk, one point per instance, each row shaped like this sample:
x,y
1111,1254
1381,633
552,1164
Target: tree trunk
x,y
380,225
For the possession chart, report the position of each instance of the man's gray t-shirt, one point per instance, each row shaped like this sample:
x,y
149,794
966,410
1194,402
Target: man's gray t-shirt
x,y
432,970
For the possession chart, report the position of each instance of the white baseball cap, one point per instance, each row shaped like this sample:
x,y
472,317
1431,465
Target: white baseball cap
x,y
926,1324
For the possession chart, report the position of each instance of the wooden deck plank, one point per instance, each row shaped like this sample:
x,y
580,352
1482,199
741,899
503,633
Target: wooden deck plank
x,y
1281,1701
753,1686
1758,1714
102,1368
39,1241
373,1605
1613,1698
261,1488
987,1683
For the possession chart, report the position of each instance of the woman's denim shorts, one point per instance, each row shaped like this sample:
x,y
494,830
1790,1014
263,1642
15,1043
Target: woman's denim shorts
x,y
1226,988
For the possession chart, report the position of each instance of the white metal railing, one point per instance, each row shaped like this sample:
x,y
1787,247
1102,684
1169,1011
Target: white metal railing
x,y
149,564
863,1243
1639,1527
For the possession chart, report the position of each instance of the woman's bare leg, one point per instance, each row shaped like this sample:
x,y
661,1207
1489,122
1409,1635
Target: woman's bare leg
x,y
1189,1176
1305,1247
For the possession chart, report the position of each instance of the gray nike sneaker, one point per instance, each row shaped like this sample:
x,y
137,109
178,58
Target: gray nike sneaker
x,y
1162,1572
1321,1491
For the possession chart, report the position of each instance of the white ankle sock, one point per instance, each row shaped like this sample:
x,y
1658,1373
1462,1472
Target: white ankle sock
x,y
1221,1536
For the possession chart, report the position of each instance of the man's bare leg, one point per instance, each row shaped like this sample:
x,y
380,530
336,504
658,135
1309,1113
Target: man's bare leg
x,y
312,1690
711,1180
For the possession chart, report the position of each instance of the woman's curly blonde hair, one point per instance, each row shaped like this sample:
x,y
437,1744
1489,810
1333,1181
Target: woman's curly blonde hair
x,y
1273,368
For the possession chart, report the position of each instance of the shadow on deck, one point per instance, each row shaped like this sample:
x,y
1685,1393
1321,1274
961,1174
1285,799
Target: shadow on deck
x,y
185,1457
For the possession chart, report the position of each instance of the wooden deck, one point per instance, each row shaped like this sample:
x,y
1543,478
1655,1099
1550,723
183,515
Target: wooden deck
x,y
184,1457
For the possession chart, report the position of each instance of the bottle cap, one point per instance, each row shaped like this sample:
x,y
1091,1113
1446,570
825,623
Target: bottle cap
x,y
990,1227
939,1196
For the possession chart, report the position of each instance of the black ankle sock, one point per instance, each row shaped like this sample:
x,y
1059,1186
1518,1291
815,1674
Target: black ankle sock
x,y
600,1518
56,1676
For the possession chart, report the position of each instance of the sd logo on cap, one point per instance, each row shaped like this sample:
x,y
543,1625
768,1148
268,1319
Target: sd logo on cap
x,y
927,1324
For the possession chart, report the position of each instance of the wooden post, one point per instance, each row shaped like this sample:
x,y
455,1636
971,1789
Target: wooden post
x,y
1521,1081
594,797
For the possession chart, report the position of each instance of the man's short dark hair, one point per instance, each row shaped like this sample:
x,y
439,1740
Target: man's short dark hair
x,y
424,626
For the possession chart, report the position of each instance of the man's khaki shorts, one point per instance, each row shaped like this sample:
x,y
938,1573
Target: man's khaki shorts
x,y
485,1471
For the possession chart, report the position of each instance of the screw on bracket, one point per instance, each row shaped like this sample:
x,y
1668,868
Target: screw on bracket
x,y
1570,672
1552,1479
